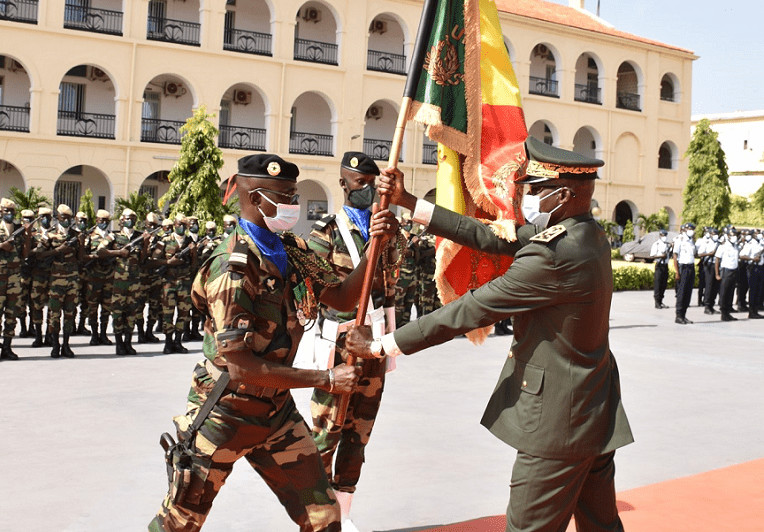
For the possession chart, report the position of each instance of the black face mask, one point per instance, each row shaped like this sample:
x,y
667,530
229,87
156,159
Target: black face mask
x,y
45,222
362,198
210,234
194,228
8,217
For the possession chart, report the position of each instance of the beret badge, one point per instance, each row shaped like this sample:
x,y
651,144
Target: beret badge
x,y
354,162
274,168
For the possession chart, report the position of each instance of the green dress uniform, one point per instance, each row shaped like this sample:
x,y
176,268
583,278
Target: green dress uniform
x,y
558,398
251,307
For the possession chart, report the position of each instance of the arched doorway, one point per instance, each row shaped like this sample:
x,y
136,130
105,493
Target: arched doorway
x,y
72,184
10,177
314,205
155,186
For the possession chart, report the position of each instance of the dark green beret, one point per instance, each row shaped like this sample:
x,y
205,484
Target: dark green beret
x,y
546,163
269,166
359,162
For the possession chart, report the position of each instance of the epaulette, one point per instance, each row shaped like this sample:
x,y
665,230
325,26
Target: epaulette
x,y
323,222
237,260
549,234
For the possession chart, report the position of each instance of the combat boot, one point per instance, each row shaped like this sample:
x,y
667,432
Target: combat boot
x,y
37,336
179,346
23,333
169,345
55,352
94,338
47,340
66,351
186,337
103,338
149,333
81,329
121,350
194,334
159,326
141,334
6,353
128,343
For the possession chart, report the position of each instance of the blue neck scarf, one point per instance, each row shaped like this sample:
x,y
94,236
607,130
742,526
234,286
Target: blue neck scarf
x,y
269,244
361,218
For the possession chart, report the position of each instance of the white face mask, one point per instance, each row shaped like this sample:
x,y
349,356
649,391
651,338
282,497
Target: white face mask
x,y
732,239
690,232
664,239
747,238
531,206
286,217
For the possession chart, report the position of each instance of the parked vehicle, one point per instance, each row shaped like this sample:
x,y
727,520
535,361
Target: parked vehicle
x,y
639,250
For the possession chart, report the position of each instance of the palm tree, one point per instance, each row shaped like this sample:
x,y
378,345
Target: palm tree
x,y
86,206
142,204
654,222
31,200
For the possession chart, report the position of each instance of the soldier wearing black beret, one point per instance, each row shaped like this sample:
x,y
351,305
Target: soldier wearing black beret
x,y
558,399
340,239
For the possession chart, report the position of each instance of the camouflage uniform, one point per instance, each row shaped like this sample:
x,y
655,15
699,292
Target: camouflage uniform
x,y
40,282
150,293
406,287
350,441
428,293
242,294
64,284
127,272
10,285
100,281
176,293
82,289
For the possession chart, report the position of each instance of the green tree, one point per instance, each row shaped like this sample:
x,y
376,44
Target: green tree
x,y
657,220
87,206
31,199
628,232
142,204
744,213
194,179
757,200
707,192
609,228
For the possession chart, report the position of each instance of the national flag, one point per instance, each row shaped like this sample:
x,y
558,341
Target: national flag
x,y
469,98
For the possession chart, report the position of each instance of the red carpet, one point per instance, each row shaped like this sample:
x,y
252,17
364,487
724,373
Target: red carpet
x,y
729,499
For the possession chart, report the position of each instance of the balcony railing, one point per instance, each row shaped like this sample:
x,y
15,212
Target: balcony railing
x,y
378,150
19,10
242,138
544,87
311,144
386,62
248,42
161,131
429,153
14,118
315,51
588,94
94,20
177,31
94,125
628,100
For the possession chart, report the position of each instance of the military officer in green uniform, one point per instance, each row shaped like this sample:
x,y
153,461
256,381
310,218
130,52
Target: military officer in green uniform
x,y
407,286
81,225
260,288
340,239
229,224
151,286
558,399
41,260
191,327
25,296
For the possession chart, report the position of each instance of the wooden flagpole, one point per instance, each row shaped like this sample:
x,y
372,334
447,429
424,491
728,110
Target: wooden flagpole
x,y
409,92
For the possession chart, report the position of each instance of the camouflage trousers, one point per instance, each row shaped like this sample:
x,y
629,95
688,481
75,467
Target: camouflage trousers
x,y
99,293
350,441
428,298
277,444
124,299
40,294
10,296
25,297
176,294
151,294
405,298
63,296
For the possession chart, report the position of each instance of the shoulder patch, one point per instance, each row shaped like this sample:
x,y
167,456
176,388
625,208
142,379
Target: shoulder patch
x,y
238,257
549,234
323,222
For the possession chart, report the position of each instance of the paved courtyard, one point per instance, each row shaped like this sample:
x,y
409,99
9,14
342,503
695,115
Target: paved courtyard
x,y
79,442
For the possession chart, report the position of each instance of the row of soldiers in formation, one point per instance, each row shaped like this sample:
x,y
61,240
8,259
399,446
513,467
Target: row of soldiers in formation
x,y
730,262
58,262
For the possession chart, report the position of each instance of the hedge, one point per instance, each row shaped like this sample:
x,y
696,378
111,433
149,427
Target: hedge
x,y
630,276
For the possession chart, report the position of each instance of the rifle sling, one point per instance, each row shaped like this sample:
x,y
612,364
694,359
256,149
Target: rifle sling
x,y
211,400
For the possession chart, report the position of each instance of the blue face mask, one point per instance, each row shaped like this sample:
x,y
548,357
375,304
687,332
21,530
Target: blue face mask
x,y
180,230
45,222
194,228
8,217
103,225
129,223
65,223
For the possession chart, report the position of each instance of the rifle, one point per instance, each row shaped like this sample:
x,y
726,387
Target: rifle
x,y
131,245
162,269
18,231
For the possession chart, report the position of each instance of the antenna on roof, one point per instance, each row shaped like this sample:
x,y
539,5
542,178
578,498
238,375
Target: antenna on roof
x,y
598,8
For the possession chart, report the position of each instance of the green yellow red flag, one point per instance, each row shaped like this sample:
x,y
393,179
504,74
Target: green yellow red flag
x,y
469,98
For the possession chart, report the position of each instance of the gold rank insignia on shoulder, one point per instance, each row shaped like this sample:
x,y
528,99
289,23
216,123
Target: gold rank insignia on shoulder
x,y
549,234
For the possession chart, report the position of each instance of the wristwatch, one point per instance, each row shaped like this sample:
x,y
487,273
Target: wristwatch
x,y
376,348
